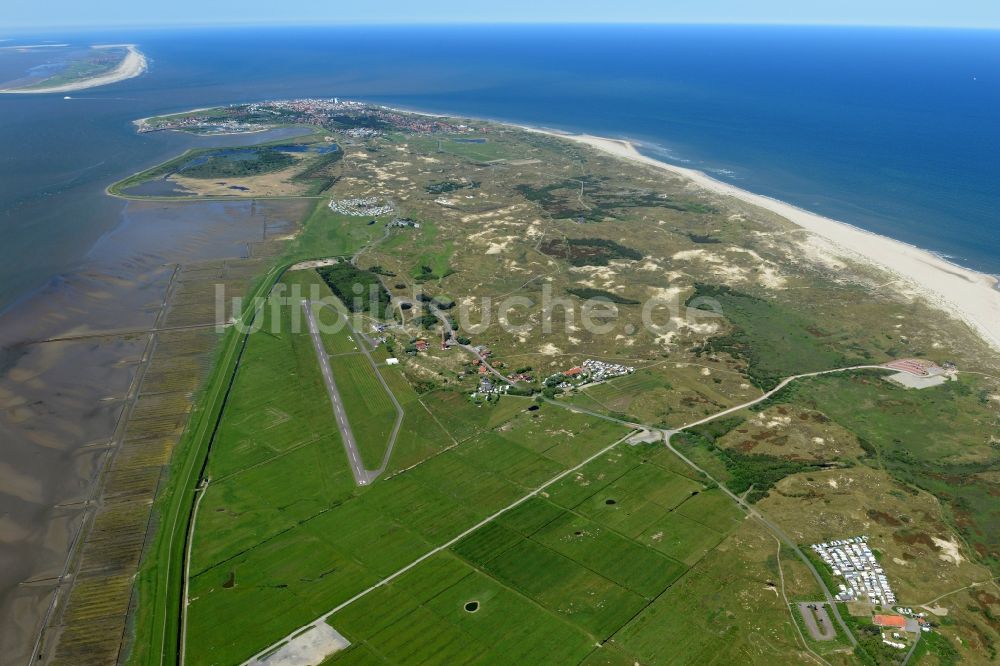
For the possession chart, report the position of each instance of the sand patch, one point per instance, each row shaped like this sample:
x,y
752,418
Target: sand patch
x,y
949,550
763,272
312,646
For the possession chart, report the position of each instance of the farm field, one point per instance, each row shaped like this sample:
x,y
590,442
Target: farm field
x,y
632,557
281,499
610,599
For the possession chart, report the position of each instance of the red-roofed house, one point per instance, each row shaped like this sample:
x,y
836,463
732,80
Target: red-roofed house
x,y
573,372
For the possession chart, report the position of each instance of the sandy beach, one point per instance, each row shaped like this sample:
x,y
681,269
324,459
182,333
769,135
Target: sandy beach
x,y
972,297
132,65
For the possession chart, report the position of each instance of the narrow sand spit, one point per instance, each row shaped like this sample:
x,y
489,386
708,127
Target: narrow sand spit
x,y
972,297
132,65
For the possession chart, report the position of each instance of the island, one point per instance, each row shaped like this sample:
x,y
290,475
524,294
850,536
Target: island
x,y
80,69
513,396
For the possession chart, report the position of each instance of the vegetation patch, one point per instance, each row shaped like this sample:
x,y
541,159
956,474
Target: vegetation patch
x,y
236,163
446,186
775,341
589,293
941,440
360,290
755,473
588,199
588,251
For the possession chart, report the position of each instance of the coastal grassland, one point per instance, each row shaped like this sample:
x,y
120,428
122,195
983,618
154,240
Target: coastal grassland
x,y
789,432
941,440
328,234
422,615
909,529
298,570
585,584
303,166
493,243
544,570
670,394
288,536
283,529
483,149
419,256
775,341
152,636
727,608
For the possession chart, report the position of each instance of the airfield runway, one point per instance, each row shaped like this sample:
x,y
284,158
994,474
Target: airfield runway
x,y
362,476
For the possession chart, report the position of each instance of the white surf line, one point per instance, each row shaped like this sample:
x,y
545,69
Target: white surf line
x,y
260,659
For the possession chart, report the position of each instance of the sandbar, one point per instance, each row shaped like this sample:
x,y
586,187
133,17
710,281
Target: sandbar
x,y
132,65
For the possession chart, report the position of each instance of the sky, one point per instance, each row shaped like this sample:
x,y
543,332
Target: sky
x,y
41,14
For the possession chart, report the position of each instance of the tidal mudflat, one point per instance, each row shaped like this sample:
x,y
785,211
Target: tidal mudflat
x,y
71,361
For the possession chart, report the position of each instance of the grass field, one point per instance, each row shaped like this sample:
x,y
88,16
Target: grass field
x,y
487,150
600,596
633,552
369,408
669,394
329,234
282,526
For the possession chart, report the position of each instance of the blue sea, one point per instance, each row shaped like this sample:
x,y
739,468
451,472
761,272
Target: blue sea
x,y
893,130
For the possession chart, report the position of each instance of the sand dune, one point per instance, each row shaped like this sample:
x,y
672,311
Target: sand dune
x,y
972,297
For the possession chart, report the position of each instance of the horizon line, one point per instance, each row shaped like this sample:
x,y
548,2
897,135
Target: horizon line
x,y
264,23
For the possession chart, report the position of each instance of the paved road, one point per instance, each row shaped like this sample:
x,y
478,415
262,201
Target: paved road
x,y
817,620
391,444
452,336
362,477
294,638
667,435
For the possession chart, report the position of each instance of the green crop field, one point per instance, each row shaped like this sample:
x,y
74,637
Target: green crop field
x,y
633,556
421,617
282,527
571,576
